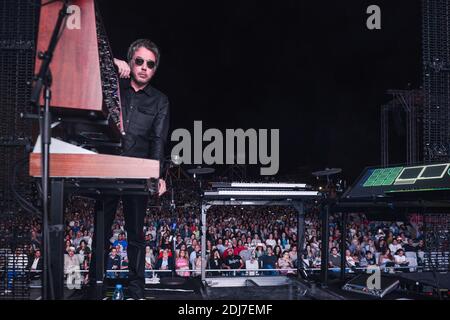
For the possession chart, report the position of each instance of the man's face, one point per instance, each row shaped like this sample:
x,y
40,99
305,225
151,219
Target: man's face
x,y
142,74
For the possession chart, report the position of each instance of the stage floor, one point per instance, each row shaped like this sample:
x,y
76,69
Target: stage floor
x,y
266,288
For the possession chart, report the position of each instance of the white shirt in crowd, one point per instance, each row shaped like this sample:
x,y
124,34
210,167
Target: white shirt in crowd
x,y
394,247
251,264
271,242
399,259
192,258
35,263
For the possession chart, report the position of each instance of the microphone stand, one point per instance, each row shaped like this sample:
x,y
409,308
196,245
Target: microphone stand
x,y
43,79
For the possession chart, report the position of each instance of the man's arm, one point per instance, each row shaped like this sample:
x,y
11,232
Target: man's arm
x,y
160,131
158,139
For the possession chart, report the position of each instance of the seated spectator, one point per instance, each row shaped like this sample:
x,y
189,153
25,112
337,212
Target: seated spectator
x,y
68,245
370,246
400,258
410,247
382,245
191,244
402,238
35,265
255,240
269,261
421,246
72,268
335,258
232,262
149,241
239,248
271,241
186,233
259,252
113,263
121,241
182,264
394,246
165,262
215,262
252,264
368,260
278,252
78,239
150,259
285,262
220,246
197,265
83,250
350,261
284,240
354,244
124,267
35,241
293,254
193,255
120,252
314,244
178,242
87,237
386,259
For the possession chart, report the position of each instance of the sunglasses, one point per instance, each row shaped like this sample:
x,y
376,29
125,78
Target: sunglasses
x,y
150,63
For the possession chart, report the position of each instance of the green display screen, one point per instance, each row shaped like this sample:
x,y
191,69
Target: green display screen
x,y
430,180
383,177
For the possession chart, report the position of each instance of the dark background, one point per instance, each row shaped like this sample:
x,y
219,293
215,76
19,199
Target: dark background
x,y
312,70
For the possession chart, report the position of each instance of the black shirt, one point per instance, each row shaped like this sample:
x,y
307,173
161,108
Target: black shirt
x,y
233,262
145,116
268,261
216,263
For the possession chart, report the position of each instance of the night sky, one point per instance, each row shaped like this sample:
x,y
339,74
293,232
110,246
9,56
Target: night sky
x,y
312,70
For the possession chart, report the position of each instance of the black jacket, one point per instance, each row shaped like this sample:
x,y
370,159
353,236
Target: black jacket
x,y
146,124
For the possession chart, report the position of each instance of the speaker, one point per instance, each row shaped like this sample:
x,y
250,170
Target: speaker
x,y
374,284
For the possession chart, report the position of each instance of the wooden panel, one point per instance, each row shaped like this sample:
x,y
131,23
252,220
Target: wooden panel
x,y
96,166
75,66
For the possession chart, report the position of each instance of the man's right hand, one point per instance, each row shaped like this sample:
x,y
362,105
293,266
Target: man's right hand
x,y
124,68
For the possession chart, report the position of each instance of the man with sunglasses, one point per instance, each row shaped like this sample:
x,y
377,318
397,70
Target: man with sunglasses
x,y
145,118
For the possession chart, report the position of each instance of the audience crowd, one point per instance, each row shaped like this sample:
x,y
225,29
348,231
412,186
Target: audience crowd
x,y
240,240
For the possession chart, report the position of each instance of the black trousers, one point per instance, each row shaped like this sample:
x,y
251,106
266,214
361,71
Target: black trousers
x,y
134,209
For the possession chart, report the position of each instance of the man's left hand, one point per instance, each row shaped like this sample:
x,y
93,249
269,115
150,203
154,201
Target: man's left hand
x,y
161,187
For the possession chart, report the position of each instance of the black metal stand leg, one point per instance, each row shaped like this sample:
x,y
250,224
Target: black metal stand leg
x,y
343,244
300,235
325,246
99,251
56,237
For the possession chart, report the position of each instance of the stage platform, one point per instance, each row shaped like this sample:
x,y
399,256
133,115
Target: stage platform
x,y
413,286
